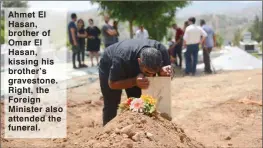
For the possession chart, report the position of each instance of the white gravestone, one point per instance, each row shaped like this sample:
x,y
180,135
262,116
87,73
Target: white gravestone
x,y
160,88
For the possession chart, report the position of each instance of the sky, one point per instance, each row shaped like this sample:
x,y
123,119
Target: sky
x,y
196,6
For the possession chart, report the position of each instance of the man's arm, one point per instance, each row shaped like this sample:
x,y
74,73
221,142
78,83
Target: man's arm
x,y
203,34
72,30
117,72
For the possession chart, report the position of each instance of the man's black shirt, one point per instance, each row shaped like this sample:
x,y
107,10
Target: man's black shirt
x,y
120,60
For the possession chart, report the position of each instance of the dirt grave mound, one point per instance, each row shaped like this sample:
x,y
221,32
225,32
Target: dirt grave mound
x,y
130,129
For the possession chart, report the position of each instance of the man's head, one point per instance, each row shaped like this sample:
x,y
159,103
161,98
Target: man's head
x,y
150,61
174,26
141,27
191,20
106,19
202,22
90,21
74,17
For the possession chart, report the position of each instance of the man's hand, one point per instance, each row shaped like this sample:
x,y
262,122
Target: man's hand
x,y
75,43
142,82
166,71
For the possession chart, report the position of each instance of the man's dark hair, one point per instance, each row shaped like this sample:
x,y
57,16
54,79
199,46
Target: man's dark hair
x,y
73,16
202,22
151,58
192,19
91,20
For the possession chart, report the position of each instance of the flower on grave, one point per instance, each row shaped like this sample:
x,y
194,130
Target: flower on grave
x,y
145,104
129,100
136,104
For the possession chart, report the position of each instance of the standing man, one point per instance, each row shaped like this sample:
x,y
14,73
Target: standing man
x,y
126,65
72,32
108,33
207,46
178,45
192,36
141,33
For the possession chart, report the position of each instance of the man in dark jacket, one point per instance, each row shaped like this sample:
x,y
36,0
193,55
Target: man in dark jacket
x,y
126,65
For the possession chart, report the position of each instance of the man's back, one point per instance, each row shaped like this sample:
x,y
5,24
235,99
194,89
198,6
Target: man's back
x,y
209,42
193,34
125,55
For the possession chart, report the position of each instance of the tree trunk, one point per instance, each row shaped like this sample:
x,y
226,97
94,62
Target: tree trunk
x,y
131,30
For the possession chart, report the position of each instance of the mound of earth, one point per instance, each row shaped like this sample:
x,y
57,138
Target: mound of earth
x,y
130,129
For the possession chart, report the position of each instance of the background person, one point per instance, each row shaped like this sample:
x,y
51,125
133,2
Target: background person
x,y
193,36
115,26
82,34
210,42
141,33
178,45
72,32
93,41
108,32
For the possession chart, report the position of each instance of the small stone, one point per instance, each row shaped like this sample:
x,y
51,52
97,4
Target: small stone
x,y
125,136
77,132
117,131
149,136
229,144
126,143
143,121
228,138
136,137
128,130
65,140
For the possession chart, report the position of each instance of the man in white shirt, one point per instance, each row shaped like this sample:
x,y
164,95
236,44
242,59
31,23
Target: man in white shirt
x,y
193,36
142,33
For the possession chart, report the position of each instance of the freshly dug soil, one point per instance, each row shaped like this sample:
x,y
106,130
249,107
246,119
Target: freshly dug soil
x,y
130,129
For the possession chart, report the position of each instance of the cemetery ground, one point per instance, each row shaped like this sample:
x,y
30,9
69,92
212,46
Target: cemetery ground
x,y
215,110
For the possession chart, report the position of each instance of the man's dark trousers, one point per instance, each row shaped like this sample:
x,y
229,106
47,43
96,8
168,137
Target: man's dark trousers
x,y
178,52
206,55
191,58
112,98
76,52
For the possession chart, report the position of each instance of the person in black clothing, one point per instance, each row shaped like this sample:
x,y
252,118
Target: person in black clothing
x,y
126,65
82,34
115,26
72,32
93,45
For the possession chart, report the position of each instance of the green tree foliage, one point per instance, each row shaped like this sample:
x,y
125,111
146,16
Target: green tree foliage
x,y
9,4
219,40
18,4
256,29
237,37
156,16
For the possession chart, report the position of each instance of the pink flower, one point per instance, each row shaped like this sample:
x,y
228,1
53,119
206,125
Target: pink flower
x,y
137,104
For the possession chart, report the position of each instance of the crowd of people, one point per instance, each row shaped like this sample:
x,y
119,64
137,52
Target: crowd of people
x,y
190,37
78,34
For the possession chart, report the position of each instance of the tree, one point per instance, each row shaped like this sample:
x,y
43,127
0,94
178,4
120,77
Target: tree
x,y
151,14
256,29
18,4
219,40
9,4
237,37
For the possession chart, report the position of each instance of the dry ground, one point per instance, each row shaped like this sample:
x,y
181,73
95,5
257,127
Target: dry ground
x,y
208,108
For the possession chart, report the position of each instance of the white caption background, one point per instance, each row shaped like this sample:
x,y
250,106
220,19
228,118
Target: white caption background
x,y
32,64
